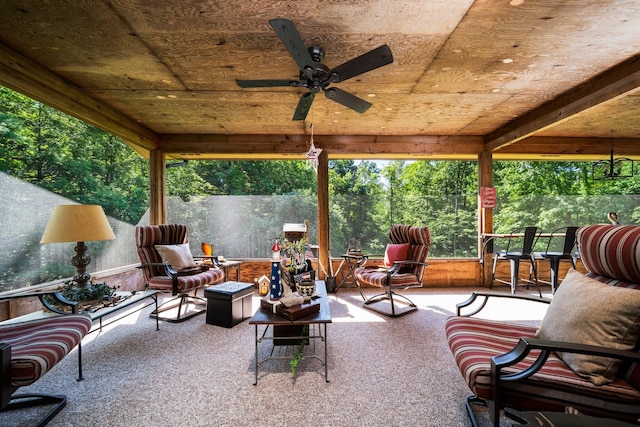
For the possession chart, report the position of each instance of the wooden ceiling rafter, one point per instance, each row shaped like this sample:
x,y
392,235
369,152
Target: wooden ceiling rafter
x,y
27,77
615,83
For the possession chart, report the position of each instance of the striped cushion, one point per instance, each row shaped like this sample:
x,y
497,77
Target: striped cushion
x,y
36,346
611,254
187,283
147,236
611,251
473,341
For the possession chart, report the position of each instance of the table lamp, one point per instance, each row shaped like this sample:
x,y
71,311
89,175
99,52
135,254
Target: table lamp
x,y
78,223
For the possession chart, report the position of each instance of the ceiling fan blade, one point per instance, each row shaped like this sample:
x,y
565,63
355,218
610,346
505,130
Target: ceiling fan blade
x,y
304,105
293,42
265,83
371,60
347,99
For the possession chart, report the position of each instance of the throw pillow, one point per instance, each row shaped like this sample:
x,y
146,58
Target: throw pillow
x,y
395,252
178,256
586,311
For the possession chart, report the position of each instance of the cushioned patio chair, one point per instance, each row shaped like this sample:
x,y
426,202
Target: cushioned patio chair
x,y
405,260
29,349
583,355
168,266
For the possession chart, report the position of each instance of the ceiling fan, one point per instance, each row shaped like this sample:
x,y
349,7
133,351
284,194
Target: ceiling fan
x,y
316,76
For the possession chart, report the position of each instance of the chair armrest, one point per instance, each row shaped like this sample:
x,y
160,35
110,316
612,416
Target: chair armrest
x,y
546,347
42,296
397,265
485,299
169,270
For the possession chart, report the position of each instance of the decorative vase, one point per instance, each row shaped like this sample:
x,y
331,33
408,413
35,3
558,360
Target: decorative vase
x,y
306,288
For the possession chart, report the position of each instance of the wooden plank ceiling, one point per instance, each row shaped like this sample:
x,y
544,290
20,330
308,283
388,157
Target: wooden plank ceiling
x,y
520,78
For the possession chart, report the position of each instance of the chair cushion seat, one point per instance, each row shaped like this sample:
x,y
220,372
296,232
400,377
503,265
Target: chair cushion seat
x,y
473,341
38,345
378,277
187,283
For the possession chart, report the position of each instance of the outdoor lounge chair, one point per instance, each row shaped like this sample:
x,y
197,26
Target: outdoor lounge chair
x,y
174,270
29,349
405,258
557,365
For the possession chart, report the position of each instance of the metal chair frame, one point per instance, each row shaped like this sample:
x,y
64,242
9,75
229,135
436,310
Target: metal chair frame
x,y
525,253
555,257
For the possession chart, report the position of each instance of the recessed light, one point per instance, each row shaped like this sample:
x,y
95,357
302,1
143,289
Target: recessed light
x,y
507,60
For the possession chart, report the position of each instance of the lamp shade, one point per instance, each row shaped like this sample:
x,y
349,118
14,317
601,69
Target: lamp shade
x,y
77,223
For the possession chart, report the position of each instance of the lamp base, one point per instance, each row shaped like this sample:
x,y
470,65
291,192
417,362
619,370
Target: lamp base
x,y
80,261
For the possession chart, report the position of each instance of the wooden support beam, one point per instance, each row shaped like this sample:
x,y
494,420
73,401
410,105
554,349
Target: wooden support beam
x,y
485,215
323,212
158,197
568,149
236,147
29,78
621,80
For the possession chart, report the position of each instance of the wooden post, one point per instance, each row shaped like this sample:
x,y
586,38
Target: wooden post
x,y
157,177
485,215
323,213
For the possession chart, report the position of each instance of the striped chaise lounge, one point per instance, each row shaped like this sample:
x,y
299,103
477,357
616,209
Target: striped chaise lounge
x,y
28,350
555,366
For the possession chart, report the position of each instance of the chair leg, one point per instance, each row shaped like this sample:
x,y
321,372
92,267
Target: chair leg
x,y
473,400
515,269
395,310
535,276
554,266
184,300
21,401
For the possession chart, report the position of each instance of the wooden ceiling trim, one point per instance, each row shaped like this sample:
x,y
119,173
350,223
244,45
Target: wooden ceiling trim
x,y
568,149
23,75
620,80
337,146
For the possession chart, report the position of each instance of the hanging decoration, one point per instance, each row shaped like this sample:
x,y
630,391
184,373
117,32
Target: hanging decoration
x,y
313,153
613,168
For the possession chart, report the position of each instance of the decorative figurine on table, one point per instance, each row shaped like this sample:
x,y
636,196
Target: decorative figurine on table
x,y
275,286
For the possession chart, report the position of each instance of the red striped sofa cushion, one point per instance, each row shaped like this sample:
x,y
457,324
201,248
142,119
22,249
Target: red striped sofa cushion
x,y
38,345
473,341
611,254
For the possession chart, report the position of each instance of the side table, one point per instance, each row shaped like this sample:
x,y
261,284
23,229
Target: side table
x,y
352,261
228,265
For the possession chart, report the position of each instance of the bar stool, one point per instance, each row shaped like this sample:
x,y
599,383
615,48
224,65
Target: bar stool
x,y
529,239
559,247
